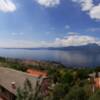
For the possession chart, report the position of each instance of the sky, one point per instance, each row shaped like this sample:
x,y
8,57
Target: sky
x,y
49,23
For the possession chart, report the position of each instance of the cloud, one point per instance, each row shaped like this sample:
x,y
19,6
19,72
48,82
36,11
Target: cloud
x,y
67,40
72,40
95,12
85,4
10,43
75,40
73,33
89,6
48,3
7,6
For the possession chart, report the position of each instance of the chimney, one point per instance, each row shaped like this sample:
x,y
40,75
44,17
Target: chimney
x,y
13,85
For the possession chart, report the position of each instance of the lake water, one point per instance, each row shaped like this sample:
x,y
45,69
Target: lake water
x,y
68,58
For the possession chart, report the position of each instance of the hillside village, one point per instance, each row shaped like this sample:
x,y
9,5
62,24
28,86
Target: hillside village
x,y
47,83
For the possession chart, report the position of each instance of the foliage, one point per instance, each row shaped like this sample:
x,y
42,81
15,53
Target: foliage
x,y
59,91
27,92
95,96
76,93
69,83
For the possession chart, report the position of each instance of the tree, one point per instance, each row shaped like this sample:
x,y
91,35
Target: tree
x,y
27,92
95,96
76,93
59,91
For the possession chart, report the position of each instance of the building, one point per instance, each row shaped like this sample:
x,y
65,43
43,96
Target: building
x,y
11,80
95,81
37,73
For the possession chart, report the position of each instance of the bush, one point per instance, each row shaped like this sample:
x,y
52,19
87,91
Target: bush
x,y
96,96
76,93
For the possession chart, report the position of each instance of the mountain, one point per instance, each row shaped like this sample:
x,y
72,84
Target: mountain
x,y
89,48
95,48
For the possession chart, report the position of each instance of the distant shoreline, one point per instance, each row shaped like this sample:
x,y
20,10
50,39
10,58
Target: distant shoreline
x,y
91,48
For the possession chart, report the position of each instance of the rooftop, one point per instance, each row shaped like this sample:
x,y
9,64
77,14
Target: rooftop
x,y
37,73
9,76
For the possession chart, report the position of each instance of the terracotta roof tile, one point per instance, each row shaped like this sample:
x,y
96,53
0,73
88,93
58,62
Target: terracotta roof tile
x,y
37,73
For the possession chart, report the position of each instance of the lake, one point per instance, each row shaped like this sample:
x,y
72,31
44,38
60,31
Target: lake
x,y
68,58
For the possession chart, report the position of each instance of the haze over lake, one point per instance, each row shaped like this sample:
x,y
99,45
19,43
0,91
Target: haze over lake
x,y
68,58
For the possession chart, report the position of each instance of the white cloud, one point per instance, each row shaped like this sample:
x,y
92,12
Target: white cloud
x,y
75,40
48,3
89,6
72,40
10,43
95,12
73,33
68,40
85,4
7,6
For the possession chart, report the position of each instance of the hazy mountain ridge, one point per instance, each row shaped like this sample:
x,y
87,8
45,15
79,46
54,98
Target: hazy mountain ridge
x,y
83,48
95,48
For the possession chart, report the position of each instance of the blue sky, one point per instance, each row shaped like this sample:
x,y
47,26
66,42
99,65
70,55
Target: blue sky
x,y
46,23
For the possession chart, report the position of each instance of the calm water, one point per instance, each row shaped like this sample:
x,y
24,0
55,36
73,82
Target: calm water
x,y
68,58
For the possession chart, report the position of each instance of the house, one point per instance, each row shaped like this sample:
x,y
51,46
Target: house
x,y
11,80
37,73
95,80
46,83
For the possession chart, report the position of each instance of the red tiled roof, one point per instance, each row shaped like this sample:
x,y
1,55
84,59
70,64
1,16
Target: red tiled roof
x,y
37,73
